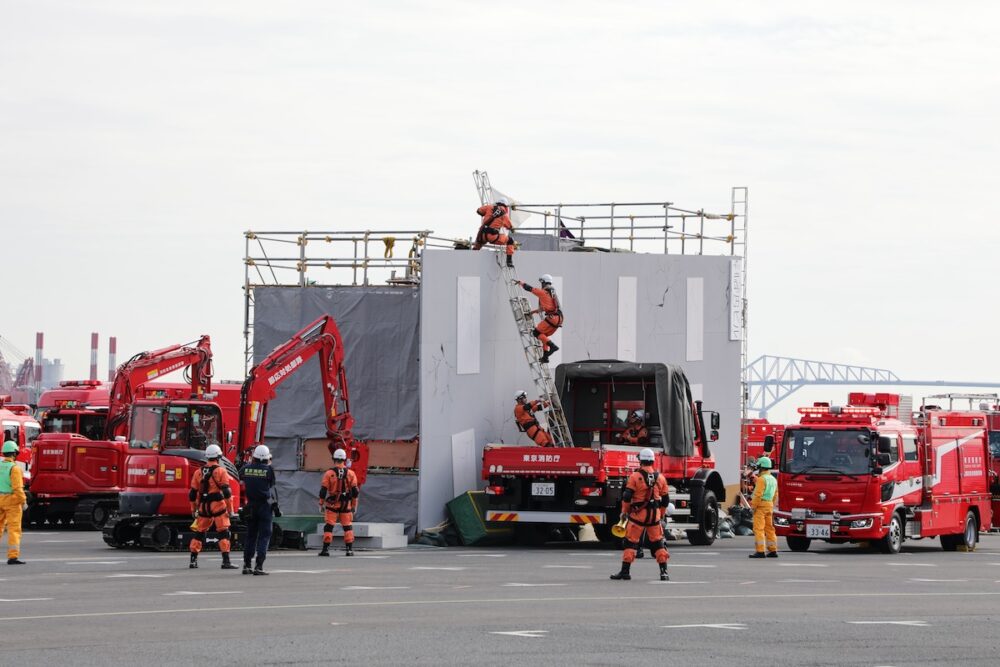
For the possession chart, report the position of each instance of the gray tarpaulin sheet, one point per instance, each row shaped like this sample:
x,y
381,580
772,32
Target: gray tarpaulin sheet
x,y
673,395
380,329
379,326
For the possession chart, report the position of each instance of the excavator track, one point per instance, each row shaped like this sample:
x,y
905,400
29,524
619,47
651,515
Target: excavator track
x,y
160,533
93,513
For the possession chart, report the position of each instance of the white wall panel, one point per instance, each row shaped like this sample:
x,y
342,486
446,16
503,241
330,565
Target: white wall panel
x,y
463,461
695,319
467,333
628,317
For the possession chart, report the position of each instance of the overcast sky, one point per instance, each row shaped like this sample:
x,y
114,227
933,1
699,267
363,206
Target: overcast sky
x,y
139,139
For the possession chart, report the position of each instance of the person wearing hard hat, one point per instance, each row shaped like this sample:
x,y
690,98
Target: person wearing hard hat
x,y
644,502
338,498
635,432
12,500
524,415
765,497
496,228
548,305
260,510
212,506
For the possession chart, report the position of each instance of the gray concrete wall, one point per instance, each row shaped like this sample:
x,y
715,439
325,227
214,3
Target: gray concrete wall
x,y
461,409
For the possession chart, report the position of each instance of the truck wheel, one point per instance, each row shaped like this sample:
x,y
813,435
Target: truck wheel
x,y
893,540
970,535
798,544
709,522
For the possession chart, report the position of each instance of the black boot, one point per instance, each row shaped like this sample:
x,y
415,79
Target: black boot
x,y
349,550
15,561
510,261
326,550
663,572
772,554
226,564
757,554
194,561
258,570
247,569
553,348
624,573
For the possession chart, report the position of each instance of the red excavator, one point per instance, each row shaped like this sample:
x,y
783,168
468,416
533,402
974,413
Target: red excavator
x,y
78,478
154,510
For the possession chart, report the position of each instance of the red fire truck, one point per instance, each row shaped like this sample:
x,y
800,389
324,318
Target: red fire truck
x,y
19,425
532,486
861,474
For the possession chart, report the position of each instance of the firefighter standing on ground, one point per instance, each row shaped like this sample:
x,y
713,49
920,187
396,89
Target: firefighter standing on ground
x,y
339,498
12,500
524,414
765,497
496,228
548,306
212,505
644,502
261,508
635,432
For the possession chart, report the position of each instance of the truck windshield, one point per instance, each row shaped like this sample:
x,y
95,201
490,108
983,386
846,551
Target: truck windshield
x,y
829,452
147,422
193,426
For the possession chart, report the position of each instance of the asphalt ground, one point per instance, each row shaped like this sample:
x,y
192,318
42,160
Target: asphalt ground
x,y
78,602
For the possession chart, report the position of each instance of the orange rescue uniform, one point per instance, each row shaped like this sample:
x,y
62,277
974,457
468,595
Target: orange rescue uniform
x,y
524,414
644,502
634,436
212,498
339,497
548,304
496,227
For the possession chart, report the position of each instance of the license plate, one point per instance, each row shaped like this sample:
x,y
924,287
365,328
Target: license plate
x,y
543,488
818,530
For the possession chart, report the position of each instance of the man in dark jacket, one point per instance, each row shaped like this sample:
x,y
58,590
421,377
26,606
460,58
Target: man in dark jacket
x,y
261,508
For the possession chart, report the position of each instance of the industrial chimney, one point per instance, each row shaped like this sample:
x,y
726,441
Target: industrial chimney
x,y
93,356
112,354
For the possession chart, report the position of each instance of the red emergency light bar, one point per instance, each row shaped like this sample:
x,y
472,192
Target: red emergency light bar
x,y
879,400
80,383
68,404
835,411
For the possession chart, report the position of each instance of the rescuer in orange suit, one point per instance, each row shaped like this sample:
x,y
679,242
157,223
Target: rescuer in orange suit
x,y
524,414
212,506
548,304
496,228
644,502
635,432
12,500
339,498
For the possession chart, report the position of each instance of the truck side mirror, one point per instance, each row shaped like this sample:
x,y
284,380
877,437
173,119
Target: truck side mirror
x,y
714,435
715,422
768,443
882,459
885,444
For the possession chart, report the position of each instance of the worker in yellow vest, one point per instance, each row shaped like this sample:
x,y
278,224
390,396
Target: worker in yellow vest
x,y
12,501
765,497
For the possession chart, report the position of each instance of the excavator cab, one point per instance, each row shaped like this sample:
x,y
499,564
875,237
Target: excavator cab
x,y
183,425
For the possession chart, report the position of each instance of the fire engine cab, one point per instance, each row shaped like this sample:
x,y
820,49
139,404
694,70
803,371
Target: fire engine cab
x,y
864,473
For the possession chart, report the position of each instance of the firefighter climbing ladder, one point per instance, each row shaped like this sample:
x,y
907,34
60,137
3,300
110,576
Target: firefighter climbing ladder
x,y
545,388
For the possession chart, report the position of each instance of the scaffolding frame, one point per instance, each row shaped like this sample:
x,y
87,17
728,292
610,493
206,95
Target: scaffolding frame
x,y
369,257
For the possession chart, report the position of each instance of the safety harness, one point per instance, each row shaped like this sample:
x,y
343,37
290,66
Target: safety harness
x,y
650,504
205,498
523,427
340,500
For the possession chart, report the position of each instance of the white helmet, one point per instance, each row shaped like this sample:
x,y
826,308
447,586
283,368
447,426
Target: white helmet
x,y
640,415
261,453
340,455
646,455
520,394
545,279
213,452
502,200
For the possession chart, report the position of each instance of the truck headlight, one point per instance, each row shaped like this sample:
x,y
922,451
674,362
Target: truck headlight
x,y
861,523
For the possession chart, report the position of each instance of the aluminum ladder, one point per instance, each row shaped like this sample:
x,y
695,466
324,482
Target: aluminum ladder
x,y
545,387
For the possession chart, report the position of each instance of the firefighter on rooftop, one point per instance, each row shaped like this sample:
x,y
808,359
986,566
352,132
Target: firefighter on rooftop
x,y
644,502
527,423
496,228
548,305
